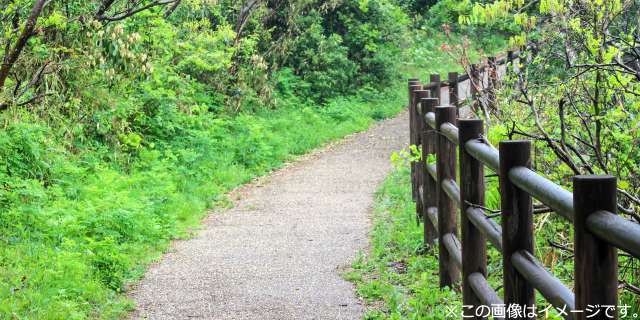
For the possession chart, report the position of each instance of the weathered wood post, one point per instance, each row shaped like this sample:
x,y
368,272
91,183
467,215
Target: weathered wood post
x,y
492,71
418,125
413,136
517,222
454,93
412,86
435,93
472,190
447,211
595,261
429,184
474,84
534,53
412,82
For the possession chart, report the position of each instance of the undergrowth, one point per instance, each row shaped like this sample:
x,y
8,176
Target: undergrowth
x,y
397,271
72,241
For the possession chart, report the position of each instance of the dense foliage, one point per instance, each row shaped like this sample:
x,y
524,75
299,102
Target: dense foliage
x,y
574,92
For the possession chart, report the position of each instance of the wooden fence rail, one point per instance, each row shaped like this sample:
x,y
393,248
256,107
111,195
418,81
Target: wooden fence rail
x,y
598,231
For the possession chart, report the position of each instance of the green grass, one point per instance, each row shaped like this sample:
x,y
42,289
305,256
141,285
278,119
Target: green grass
x,y
396,272
72,242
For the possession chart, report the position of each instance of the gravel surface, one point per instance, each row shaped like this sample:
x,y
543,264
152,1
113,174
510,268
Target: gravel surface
x,y
277,253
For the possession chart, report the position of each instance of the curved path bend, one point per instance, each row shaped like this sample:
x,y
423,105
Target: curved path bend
x,y
276,254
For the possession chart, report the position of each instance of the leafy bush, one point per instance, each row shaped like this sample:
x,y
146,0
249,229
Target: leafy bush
x,y
24,152
322,61
371,31
490,37
416,7
109,265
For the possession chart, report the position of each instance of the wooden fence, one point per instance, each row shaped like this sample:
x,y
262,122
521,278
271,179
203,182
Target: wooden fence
x,y
598,231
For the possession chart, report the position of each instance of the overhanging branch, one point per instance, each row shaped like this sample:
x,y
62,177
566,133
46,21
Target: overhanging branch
x,y
102,16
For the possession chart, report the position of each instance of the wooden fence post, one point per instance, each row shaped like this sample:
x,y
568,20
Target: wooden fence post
x,y
454,93
428,183
418,125
474,83
517,222
412,82
413,85
472,190
413,137
435,93
447,211
492,72
595,261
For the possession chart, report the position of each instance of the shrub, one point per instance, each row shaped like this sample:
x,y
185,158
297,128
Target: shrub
x,y
322,61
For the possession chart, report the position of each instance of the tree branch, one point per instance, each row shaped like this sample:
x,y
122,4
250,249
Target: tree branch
x,y
172,9
243,17
32,100
101,16
27,33
34,80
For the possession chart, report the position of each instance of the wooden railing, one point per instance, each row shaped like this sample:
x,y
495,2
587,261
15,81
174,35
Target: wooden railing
x,y
598,231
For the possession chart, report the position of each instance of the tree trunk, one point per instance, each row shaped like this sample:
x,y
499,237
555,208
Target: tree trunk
x,y
172,9
243,17
27,33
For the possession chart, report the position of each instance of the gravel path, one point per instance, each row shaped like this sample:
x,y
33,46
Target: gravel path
x,y
276,254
